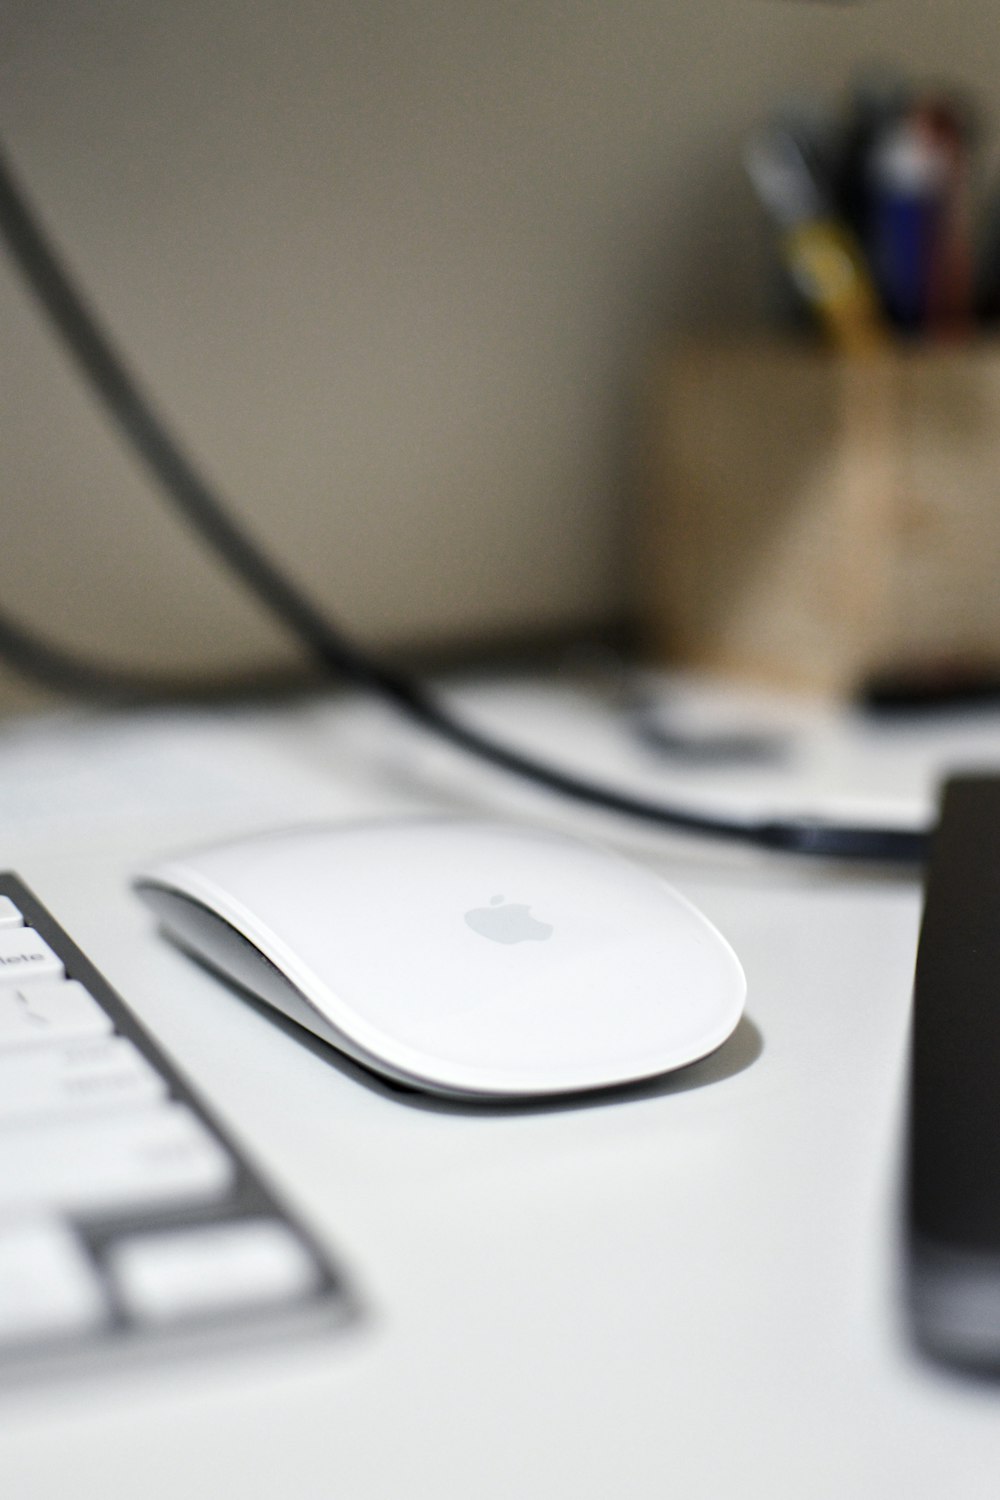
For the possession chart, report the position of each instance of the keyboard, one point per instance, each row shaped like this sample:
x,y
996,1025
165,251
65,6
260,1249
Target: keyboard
x,y
130,1221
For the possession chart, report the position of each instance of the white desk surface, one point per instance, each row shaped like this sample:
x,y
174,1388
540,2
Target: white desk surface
x,y
690,1290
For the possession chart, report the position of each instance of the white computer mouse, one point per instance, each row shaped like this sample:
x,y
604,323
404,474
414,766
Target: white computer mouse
x,y
474,959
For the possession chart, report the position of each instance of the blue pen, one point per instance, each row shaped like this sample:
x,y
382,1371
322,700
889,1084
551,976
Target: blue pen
x,y
908,177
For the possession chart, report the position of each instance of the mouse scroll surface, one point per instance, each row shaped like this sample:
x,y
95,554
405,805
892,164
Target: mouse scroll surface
x,y
468,958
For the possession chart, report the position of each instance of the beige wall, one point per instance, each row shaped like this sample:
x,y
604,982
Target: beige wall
x,y
391,268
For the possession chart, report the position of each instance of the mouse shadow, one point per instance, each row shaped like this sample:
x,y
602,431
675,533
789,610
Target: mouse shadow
x,y
739,1052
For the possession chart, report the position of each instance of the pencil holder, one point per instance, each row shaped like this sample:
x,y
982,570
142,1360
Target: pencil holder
x,y
810,520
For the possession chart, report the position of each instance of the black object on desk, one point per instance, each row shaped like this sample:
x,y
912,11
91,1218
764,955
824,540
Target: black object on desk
x,y
953,1191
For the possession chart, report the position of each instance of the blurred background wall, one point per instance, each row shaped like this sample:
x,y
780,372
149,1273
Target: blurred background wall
x,y
392,269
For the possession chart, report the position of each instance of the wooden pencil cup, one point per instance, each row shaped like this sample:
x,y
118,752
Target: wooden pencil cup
x,y
810,520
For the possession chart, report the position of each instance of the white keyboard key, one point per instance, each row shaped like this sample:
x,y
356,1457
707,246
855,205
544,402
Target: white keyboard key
x,y
110,1073
183,1273
9,914
47,1285
24,955
153,1157
57,1011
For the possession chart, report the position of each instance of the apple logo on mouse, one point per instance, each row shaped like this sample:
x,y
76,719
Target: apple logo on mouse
x,y
507,922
